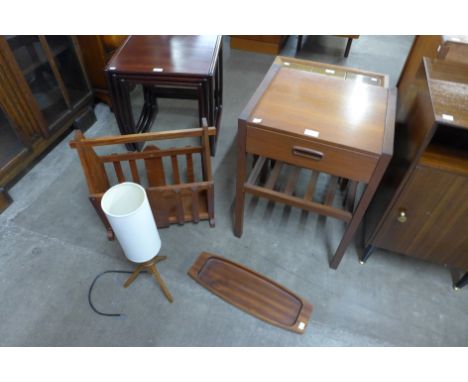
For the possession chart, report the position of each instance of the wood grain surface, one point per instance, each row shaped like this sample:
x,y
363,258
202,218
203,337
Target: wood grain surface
x,y
251,292
344,113
329,159
353,74
191,55
434,203
448,83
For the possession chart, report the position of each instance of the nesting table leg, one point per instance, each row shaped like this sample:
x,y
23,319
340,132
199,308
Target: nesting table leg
x,y
348,47
126,113
299,43
241,175
149,111
117,103
211,114
220,78
201,103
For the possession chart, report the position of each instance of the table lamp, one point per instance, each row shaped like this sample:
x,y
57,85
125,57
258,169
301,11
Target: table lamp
x,y
127,208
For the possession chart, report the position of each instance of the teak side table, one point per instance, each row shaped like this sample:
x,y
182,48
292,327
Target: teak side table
x,y
318,117
184,67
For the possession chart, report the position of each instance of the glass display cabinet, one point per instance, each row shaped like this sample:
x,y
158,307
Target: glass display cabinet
x,y
44,92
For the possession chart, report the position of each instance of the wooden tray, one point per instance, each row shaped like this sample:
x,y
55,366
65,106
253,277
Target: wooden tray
x,y
251,292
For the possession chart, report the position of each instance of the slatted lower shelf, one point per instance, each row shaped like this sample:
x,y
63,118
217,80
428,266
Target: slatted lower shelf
x,y
264,181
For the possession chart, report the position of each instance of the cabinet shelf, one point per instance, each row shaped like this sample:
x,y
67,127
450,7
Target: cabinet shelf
x,y
443,158
37,64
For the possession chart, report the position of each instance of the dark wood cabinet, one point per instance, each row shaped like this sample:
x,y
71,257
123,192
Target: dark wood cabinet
x,y
450,48
43,92
421,208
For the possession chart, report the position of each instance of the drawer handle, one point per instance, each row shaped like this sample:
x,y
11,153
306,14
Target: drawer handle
x,y
307,153
402,218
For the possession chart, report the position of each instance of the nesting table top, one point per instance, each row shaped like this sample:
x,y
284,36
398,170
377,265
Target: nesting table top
x,y
166,55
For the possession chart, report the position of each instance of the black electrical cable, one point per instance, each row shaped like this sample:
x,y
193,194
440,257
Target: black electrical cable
x,y
91,289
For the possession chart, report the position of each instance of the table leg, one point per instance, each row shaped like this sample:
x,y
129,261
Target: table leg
x,y
299,43
241,176
5,199
126,113
116,102
211,114
348,47
360,210
202,104
211,101
367,253
149,110
462,282
220,77
218,96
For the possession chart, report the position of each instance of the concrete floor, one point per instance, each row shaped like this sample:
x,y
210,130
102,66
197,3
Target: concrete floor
x,y
53,245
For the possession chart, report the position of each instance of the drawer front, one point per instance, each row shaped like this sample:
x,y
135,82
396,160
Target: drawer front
x,y
309,154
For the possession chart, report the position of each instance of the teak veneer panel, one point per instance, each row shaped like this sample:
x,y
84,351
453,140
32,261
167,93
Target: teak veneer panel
x,y
251,292
437,219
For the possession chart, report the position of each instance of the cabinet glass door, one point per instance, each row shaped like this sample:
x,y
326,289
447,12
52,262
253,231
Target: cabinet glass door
x,y
69,67
33,61
10,144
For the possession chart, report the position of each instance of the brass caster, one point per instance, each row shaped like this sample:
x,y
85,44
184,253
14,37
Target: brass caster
x,y
362,262
455,288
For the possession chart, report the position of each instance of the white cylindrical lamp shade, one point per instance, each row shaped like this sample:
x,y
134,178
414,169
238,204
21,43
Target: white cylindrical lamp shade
x,y
129,213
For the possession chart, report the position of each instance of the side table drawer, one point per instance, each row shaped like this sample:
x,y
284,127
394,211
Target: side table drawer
x,y
309,154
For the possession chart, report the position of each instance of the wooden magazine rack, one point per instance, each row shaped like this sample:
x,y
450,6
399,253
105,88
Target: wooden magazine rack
x,y
174,202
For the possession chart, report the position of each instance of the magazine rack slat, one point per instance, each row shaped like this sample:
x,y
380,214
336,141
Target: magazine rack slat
x,y
172,202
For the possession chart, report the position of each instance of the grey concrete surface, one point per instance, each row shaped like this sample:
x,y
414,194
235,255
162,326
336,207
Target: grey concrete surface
x,y
53,245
